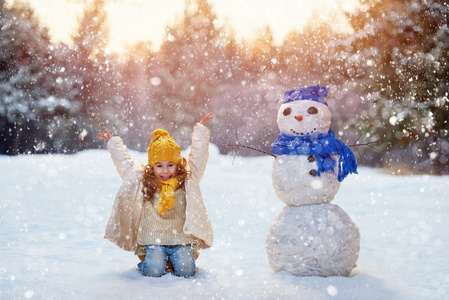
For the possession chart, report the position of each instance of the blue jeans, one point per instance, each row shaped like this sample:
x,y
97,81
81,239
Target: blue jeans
x,y
157,257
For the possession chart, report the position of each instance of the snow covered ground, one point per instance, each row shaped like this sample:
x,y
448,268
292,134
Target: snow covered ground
x,y
54,208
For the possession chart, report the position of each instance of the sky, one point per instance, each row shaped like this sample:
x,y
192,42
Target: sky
x,y
146,20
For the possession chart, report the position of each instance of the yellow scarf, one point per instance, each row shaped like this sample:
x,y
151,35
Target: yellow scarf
x,y
167,195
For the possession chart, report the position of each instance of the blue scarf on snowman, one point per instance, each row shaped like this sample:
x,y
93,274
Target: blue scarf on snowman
x,y
322,146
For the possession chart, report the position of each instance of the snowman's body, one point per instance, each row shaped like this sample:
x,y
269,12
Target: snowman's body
x,y
310,236
296,182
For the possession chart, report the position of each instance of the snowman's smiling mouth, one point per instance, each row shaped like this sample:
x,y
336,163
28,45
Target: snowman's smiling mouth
x,y
302,133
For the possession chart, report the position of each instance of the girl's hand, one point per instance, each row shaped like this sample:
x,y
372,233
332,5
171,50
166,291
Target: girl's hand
x,y
104,136
205,118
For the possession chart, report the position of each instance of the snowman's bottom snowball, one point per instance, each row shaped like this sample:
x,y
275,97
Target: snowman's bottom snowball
x,y
313,240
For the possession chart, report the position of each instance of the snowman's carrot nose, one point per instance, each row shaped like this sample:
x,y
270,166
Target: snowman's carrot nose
x,y
298,118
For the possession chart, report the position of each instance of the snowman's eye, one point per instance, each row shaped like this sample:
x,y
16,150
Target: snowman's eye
x,y
312,110
287,111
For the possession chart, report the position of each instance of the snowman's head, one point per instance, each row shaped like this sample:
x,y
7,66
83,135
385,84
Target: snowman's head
x,y
304,112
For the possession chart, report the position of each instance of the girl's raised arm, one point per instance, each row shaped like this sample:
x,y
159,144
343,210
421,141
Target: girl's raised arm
x,y
120,156
205,119
104,136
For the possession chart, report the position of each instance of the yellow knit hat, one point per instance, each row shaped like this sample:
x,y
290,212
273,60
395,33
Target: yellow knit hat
x,y
163,147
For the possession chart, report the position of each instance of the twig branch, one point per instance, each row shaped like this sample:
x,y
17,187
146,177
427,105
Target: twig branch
x,y
369,144
247,147
239,145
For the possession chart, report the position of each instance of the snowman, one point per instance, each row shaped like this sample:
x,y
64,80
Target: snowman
x,y
310,236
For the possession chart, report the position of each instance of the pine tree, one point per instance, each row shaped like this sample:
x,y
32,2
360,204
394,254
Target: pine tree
x,y
27,83
194,55
398,58
90,66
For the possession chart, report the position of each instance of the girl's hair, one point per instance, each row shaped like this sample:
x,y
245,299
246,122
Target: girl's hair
x,y
150,182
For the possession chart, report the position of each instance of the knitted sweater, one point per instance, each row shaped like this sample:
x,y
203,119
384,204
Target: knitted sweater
x,y
166,229
128,209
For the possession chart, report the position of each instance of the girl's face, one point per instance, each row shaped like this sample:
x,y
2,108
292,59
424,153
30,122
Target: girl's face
x,y
165,170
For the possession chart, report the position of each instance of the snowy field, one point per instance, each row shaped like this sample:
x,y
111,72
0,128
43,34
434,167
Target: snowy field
x,y
54,209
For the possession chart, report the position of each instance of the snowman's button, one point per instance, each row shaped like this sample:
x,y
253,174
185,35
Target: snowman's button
x,y
311,158
313,173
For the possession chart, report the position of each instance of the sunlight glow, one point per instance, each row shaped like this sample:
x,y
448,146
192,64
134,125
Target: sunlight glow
x,y
130,21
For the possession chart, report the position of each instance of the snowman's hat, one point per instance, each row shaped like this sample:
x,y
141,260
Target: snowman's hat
x,y
314,93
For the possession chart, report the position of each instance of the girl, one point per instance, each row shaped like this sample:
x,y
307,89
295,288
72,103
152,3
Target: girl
x,y
159,212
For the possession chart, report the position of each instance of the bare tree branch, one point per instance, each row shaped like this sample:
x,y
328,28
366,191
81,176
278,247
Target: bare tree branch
x,y
239,145
369,144
247,147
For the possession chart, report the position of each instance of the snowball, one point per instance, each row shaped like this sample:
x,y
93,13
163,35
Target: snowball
x,y
155,81
332,290
313,240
